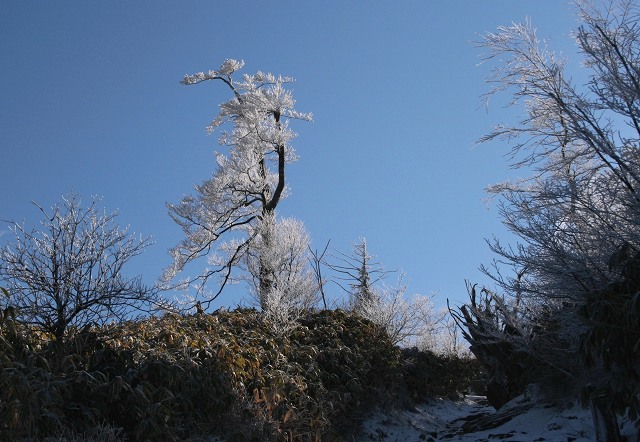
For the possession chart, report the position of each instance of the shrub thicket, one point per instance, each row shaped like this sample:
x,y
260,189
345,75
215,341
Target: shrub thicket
x,y
226,374
427,374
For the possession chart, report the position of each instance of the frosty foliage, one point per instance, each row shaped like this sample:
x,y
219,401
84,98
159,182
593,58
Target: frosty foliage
x,y
281,314
578,216
286,258
247,185
280,255
582,145
68,273
408,320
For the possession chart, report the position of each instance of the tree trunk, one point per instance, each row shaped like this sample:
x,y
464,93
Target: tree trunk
x,y
266,283
266,275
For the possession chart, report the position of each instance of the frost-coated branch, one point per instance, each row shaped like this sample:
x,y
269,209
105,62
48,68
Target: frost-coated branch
x,y
249,182
585,157
69,272
577,218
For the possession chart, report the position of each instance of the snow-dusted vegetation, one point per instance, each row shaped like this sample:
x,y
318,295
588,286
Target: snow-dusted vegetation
x,y
227,374
565,311
546,351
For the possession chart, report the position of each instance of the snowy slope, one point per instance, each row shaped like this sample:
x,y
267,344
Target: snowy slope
x,y
469,420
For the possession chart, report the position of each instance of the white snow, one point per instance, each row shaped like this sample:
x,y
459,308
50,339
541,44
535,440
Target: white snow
x,y
443,419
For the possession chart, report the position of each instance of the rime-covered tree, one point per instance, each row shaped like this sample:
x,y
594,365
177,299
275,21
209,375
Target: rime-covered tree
x,y
360,273
248,184
407,320
578,216
286,262
69,273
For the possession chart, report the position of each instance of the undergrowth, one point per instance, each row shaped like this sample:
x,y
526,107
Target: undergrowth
x,y
226,374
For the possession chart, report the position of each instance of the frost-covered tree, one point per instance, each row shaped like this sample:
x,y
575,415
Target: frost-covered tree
x,y
285,260
407,320
69,273
360,273
578,216
247,186
581,205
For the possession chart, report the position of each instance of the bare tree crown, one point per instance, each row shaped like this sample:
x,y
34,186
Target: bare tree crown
x,y
70,271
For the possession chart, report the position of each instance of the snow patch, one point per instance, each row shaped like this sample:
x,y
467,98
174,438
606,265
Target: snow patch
x,y
472,419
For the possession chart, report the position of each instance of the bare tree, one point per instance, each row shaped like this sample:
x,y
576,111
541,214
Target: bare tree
x,y
317,261
405,319
357,273
70,272
248,184
578,216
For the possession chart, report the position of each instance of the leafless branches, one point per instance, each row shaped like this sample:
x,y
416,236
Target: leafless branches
x,y
70,272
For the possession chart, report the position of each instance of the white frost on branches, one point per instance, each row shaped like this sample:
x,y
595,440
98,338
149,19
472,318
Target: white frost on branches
x,y
408,321
583,201
69,272
248,184
280,253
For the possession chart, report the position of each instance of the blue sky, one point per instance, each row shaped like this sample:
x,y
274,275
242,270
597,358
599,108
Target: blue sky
x,y
90,102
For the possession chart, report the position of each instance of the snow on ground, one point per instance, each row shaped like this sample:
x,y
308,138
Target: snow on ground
x,y
470,420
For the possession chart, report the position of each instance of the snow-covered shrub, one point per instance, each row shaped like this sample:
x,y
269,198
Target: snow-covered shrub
x,y
179,377
408,321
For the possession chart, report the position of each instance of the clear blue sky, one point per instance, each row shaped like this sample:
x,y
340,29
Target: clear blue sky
x,y
90,101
